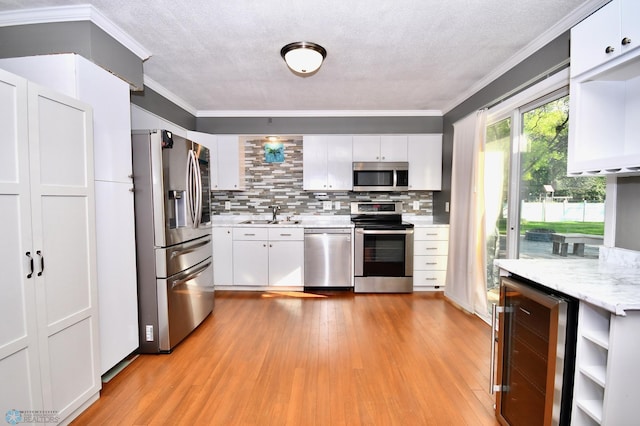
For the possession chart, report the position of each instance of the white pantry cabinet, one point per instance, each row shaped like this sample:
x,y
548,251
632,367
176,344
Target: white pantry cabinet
x,y
604,130
49,345
227,160
108,95
380,148
425,162
327,163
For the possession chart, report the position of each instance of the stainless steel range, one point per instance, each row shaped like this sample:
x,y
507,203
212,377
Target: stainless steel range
x,y
383,248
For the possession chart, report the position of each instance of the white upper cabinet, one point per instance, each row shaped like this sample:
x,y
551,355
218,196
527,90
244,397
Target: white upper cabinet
x,y
327,163
425,162
380,148
609,32
604,130
226,159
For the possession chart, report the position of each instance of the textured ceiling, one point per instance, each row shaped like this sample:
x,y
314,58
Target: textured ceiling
x,y
382,54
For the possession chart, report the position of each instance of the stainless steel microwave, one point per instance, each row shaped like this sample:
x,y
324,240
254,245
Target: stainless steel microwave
x,y
381,176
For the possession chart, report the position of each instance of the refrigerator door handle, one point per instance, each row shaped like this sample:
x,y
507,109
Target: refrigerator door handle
x,y
198,176
191,193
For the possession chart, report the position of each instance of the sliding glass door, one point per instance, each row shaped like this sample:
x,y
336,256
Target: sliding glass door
x,y
529,197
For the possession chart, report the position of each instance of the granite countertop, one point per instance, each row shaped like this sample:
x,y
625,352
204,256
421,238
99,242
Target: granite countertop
x,y
610,285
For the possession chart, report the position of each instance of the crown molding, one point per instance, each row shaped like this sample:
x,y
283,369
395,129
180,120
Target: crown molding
x,y
169,95
320,113
84,12
578,14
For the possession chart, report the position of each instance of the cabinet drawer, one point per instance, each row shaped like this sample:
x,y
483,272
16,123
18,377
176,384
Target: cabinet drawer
x,y
431,248
431,233
429,278
250,234
284,234
430,263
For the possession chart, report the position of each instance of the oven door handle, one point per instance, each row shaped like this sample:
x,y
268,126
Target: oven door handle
x,y
384,232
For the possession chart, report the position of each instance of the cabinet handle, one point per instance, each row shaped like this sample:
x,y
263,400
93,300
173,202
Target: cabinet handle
x,y
432,248
28,254
132,189
626,41
39,253
249,235
609,49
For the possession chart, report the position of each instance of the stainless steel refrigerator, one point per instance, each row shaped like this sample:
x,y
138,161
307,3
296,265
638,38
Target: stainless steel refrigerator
x,y
173,237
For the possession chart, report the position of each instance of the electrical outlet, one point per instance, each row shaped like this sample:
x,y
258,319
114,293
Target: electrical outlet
x,y
446,207
227,205
336,205
148,333
326,205
416,205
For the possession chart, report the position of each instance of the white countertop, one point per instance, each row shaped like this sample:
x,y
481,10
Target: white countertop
x,y
306,221
611,286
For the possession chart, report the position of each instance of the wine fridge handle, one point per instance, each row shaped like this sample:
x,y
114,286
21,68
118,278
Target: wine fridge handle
x,y
492,366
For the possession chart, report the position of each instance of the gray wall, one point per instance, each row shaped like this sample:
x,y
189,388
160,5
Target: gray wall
x,y
153,102
81,37
628,213
530,71
318,125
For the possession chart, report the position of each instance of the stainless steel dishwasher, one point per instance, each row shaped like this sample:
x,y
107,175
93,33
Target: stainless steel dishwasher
x,y
327,257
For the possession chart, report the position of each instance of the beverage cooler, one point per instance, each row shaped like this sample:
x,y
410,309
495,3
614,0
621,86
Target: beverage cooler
x,y
535,364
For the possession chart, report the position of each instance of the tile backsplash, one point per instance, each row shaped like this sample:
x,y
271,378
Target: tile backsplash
x,y
281,184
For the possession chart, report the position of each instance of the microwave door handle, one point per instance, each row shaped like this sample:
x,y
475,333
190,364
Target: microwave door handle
x,y
395,178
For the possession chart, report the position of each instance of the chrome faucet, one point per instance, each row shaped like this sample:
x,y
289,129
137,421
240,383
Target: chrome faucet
x,y
275,209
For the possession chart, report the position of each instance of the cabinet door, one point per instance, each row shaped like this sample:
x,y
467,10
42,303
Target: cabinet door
x,y
286,263
110,99
629,28
425,162
19,362
117,283
222,256
230,163
63,218
339,163
366,148
591,38
314,163
210,141
250,263
393,148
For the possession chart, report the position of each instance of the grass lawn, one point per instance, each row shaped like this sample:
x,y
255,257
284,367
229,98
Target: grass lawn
x,y
593,228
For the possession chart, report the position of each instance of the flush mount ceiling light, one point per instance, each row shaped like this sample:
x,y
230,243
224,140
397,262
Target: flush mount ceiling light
x,y
303,57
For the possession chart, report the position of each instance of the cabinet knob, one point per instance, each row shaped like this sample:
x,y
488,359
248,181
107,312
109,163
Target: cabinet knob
x,y
609,49
626,41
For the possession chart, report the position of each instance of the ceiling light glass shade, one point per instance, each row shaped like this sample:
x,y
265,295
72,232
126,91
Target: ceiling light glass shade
x,y
303,57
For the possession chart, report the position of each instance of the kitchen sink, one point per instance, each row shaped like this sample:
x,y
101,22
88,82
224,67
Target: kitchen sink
x,y
256,222
269,222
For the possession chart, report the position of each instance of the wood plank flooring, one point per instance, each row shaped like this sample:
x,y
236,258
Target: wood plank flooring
x,y
330,358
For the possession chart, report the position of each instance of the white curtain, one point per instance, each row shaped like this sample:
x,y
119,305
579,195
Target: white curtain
x,y
466,276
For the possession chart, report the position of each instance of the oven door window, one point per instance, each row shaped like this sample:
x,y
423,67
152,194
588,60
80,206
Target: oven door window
x,y
384,255
373,178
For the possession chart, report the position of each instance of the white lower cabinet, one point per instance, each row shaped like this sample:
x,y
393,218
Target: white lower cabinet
x,y
606,388
430,251
49,344
222,255
272,256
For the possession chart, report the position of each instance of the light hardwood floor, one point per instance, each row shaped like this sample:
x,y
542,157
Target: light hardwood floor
x,y
312,359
